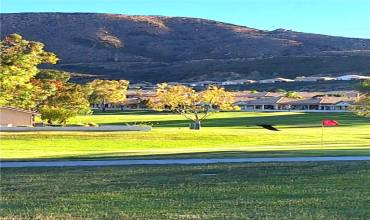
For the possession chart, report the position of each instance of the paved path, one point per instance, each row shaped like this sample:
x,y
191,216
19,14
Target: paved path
x,y
82,163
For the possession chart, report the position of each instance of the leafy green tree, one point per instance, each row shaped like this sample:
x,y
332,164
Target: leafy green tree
x,y
362,105
195,106
365,86
280,90
46,83
68,101
48,74
19,61
292,95
108,91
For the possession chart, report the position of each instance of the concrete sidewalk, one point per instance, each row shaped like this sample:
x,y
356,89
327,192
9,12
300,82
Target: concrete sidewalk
x,y
78,128
83,163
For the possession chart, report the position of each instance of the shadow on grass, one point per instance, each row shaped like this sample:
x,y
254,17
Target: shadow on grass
x,y
130,112
303,120
208,154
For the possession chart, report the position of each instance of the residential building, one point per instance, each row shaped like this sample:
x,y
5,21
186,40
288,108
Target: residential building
x,y
313,78
135,99
203,83
311,104
237,82
274,80
143,85
10,117
352,77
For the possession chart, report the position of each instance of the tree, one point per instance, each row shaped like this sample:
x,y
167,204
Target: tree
x,y
19,61
48,74
362,105
365,86
68,101
280,90
292,95
46,83
108,91
195,106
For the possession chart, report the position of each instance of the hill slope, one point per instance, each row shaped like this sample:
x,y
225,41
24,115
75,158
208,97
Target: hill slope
x,y
156,48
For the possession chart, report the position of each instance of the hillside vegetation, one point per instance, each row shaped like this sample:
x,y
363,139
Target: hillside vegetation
x,y
158,48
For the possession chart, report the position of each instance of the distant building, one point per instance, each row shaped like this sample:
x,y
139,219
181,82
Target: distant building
x,y
10,117
352,77
259,104
135,99
232,82
249,81
310,104
127,104
237,82
144,85
334,101
313,78
203,83
306,79
326,78
177,83
274,80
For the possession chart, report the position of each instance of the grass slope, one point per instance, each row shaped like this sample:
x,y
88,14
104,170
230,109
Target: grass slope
x,y
337,190
225,134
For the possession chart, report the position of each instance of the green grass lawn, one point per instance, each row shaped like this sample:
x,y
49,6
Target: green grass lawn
x,y
337,190
225,134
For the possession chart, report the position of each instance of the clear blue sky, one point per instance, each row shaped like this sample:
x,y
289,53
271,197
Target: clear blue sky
x,y
349,18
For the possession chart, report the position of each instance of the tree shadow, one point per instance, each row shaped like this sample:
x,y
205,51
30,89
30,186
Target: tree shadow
x,y
129,112
132,155
303,120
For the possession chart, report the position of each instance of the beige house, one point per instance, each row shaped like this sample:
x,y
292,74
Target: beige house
x,y
312,104
274,80
10,117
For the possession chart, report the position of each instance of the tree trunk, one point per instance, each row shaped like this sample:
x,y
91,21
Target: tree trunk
x,y
195,125
103,106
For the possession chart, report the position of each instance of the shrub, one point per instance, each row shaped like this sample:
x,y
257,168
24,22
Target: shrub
x,y
92,124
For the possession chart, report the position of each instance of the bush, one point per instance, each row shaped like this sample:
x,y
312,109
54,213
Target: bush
x,y
78,125
140,123
92,124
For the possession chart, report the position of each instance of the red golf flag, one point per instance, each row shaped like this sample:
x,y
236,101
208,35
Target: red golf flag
x,y
328,123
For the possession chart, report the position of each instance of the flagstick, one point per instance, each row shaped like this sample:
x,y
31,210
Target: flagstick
x,y
322,135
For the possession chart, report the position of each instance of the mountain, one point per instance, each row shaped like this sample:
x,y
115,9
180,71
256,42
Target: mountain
x,y
158,48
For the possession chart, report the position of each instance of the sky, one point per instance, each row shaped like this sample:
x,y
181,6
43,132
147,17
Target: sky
x,y
348,18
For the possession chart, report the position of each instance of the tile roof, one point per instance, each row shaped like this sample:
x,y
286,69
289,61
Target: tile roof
x,y
305,101
263,101
334,100
19,110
